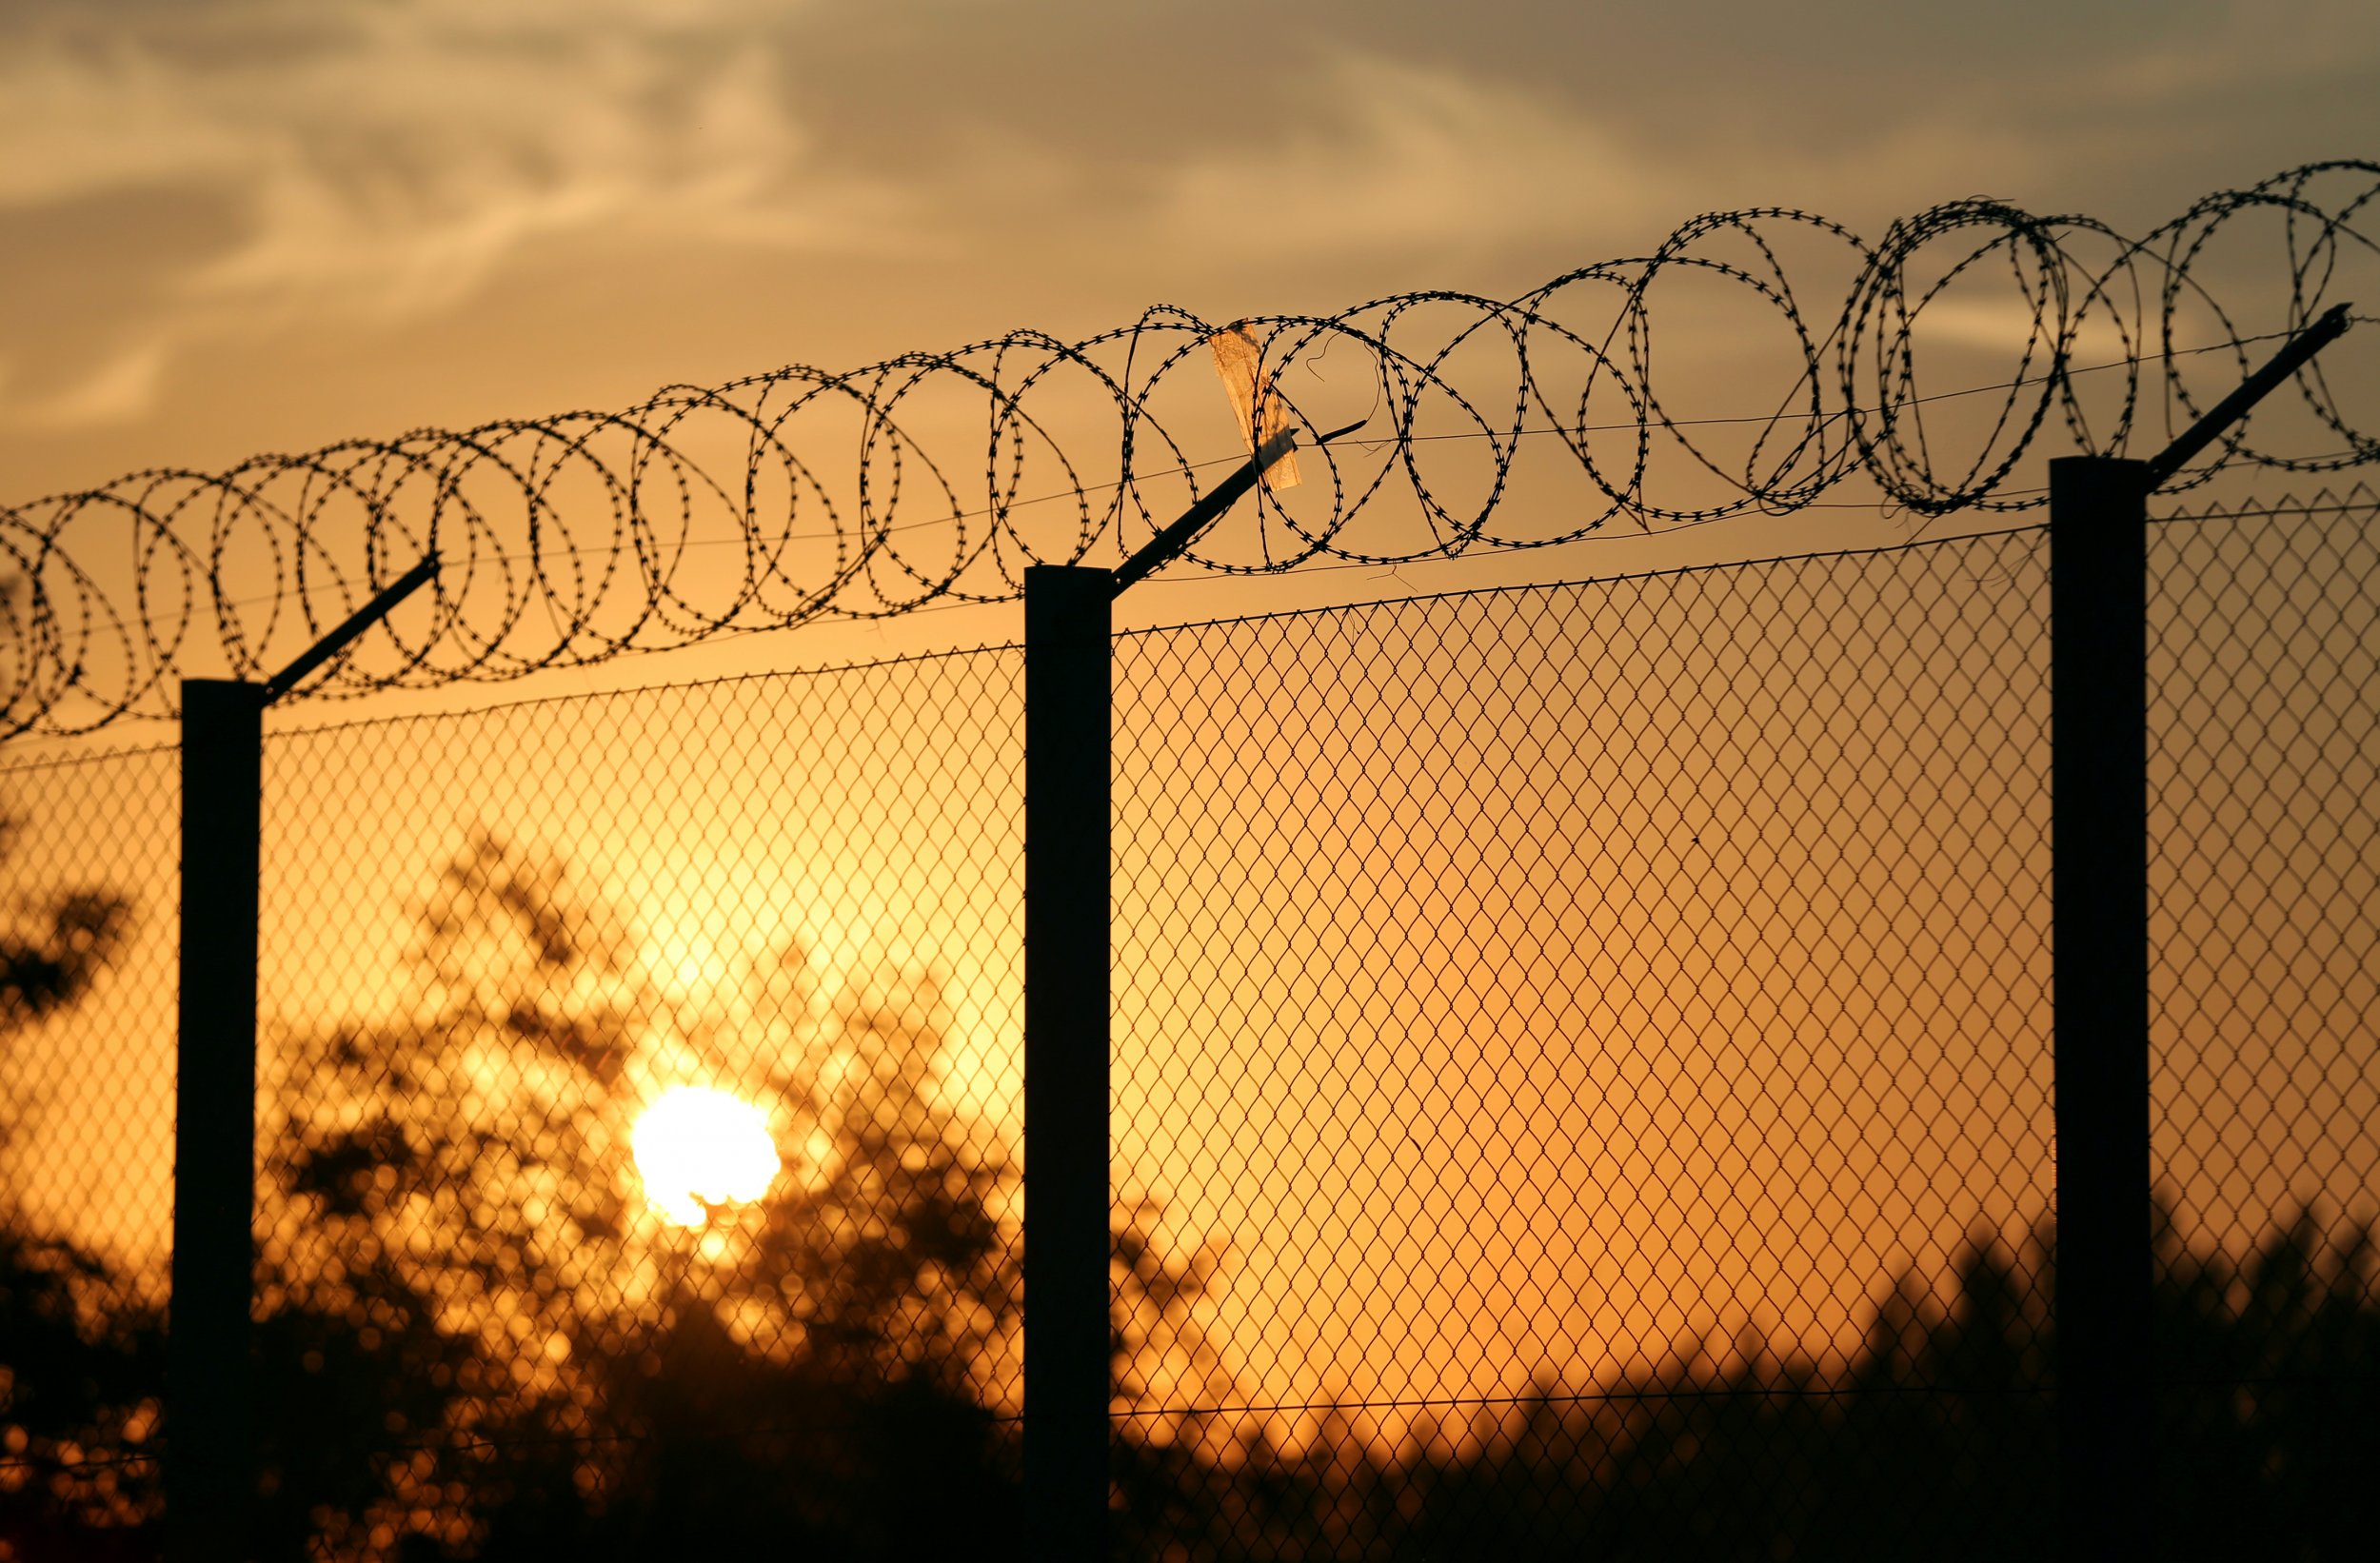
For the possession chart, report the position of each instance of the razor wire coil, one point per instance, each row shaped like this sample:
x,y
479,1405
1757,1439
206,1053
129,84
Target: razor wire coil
x,y
570,540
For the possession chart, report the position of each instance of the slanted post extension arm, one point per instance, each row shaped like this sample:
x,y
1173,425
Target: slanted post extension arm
x,y
1161,548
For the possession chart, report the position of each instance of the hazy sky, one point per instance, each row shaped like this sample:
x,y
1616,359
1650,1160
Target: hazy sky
x,y
265,224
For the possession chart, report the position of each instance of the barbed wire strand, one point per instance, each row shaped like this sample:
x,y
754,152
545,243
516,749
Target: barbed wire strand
x,y
570,540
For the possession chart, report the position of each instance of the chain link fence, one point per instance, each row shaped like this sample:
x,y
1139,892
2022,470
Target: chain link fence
x,y
2264,992
88,925
1608,1025
1581,1085
665,1179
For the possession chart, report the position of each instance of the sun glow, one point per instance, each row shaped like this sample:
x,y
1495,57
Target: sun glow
x,y
698,1149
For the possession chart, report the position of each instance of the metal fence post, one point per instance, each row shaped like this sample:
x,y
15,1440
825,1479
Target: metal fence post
x,y
209,1427
2099,921
1066,1243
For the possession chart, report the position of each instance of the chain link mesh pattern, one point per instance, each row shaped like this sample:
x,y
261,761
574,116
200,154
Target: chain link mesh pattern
x,y
88,925
1581,1085
1566,1006
502,1185
2264,988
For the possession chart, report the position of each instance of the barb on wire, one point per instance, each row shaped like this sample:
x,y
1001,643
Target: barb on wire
x,y
801,495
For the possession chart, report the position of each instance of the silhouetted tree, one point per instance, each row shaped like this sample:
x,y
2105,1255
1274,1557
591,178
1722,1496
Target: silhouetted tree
x,y
533,1361
478,1339
1936,1438
51,951
79,1369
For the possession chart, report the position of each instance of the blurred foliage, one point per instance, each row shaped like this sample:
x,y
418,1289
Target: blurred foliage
x,y
80,1372
476,1339
1936,1438
51,953
456,1238
80,1387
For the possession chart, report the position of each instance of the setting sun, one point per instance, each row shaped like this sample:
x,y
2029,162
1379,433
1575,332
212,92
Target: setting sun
x,y
697,1148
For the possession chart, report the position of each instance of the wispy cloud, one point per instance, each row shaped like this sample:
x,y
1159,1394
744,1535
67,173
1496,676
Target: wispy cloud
x,y
2248,45
387,160
121,388
370,165
1408,155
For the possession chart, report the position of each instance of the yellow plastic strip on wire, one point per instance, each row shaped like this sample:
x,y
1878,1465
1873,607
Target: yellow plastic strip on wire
x,y
1240,364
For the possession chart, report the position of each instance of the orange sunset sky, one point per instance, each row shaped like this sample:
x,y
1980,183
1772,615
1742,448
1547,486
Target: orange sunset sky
x,y
265,225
